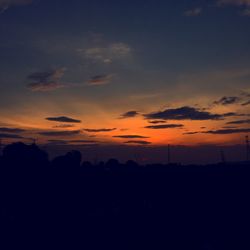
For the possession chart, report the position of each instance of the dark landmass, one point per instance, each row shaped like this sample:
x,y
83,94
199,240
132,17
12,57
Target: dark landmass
x,y
76,205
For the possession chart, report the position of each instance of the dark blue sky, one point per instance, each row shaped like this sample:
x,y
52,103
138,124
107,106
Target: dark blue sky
x,y
96,60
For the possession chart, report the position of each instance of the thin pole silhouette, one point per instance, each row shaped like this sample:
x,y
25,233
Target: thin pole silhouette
x,y
169,154
222,155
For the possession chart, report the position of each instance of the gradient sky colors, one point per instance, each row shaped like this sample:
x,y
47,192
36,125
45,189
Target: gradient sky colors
x,y
145,73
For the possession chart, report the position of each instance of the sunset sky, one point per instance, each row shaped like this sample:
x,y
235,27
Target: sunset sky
x,y
142,73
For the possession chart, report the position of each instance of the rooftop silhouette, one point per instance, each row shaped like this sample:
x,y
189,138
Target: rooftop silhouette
x,y
73,203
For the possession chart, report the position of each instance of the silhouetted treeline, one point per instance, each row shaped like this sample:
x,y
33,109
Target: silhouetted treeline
x,y
76,205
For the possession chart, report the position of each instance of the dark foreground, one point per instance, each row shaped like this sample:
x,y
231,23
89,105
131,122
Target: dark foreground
x,y
63,204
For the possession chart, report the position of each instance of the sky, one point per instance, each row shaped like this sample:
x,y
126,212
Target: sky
x,y
114,74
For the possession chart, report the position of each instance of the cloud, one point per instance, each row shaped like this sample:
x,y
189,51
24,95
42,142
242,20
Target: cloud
x,y
245,12
57,142
186,113
246,103
228,131
232,114
234,2
99,130
191,133
227,100
157,121
10,136
6,4
68,142
82,141
138,142
100,80
107,54
63,119
193,12
130,136
240,122
64,126
47,80
129,114
165,126
12,130
60,133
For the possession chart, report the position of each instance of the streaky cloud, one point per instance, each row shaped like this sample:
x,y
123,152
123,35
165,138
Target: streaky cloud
x,y
129,114
63,119
6,4
193,12
246,103
60,133
130,136
240,122
234,2
191,133
165,126
107,54
228,131
99,130
227,100
186,113
10,136
64,126
138,142
46,80
100,80
11,130
157,121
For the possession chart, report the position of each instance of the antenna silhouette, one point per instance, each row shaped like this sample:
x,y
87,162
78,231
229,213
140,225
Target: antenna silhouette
x,y
169,154
222,155
247,149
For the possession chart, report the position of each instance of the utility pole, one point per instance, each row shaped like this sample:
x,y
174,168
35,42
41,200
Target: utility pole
x,y
222,155
169,154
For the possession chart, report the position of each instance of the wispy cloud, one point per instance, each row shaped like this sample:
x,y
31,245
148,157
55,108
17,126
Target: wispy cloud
x,y
129,114
186,113
70,142
63,119
130,136
46,80
246,103
157,121
64,126
228,131
238,3
138,142
165,126
191,133
240,122
100,80
60,133
99,130
224,131
227,100
10,136
107,54
234,2
11,130
193,12
245,12
6,4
